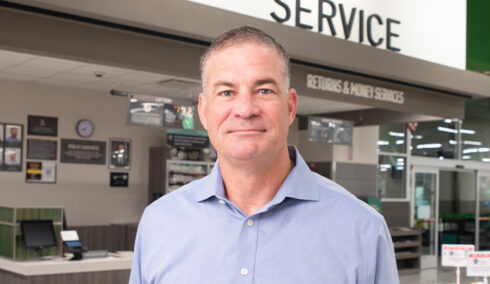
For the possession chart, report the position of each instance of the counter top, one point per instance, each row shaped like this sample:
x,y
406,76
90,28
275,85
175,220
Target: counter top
x,y
121,260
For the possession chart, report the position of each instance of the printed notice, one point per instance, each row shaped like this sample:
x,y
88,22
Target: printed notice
x,y
455,255
478,264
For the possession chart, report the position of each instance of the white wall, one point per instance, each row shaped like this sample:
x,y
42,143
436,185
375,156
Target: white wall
x,y
83,189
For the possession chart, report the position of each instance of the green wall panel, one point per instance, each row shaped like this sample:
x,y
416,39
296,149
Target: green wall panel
x,y
478,35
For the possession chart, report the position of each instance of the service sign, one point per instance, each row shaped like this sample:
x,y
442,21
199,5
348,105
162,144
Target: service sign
x,y
455,255
430,30
478,264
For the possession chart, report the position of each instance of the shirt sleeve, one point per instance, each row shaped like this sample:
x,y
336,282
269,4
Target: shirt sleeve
x,y
386,270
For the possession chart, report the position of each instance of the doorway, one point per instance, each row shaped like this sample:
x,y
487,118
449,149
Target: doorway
x,y
444,208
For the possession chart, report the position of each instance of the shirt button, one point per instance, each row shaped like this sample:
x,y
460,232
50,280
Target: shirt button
x,y
250,222
244,271
221,201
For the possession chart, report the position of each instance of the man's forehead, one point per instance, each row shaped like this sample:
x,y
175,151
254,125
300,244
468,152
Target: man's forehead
x,y
231,48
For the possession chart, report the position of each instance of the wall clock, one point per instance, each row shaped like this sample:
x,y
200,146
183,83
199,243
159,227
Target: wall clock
x,y
85,128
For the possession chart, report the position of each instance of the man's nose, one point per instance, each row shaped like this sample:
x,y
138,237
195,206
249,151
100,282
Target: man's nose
x,y
246,105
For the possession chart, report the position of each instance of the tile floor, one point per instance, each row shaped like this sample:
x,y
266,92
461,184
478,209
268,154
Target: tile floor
x,y
435,276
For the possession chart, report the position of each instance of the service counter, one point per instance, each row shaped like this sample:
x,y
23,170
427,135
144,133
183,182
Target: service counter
x,y
112,269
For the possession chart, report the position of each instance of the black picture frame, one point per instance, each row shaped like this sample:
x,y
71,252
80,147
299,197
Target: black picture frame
x,y
41,149
42,125
83,151
11,147
119,179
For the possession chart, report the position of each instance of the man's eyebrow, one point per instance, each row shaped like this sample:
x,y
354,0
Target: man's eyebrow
x,y
223,83
265,81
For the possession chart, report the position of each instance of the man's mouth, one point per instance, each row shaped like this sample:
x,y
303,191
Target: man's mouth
x,y
246,131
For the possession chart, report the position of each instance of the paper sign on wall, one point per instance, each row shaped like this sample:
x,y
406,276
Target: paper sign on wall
x,y
455,255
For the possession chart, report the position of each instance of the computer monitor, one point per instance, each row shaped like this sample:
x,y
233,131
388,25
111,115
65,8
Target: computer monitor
x,y
38,234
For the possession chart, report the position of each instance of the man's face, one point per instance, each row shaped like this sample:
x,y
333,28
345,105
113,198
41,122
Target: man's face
x,y
246,109
13,132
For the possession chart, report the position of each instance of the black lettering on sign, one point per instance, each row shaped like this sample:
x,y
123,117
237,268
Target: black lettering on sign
x,y
329,17
361,26
390,34
286,9
347,25
370,30
300,9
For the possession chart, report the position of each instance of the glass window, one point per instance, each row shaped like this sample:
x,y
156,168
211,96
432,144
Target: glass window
x,y
475,131
435,139
392,138
391,176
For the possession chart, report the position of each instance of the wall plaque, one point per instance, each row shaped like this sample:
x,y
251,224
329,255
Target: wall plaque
x,y
83,151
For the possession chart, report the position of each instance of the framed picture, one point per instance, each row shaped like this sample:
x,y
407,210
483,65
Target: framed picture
x,y
11,147
13,135
1,132
120,153
83,151
41,149
42,125
41,172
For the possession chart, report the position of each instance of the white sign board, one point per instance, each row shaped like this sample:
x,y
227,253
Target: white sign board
x,y
430,30
70,235
478,264
455,255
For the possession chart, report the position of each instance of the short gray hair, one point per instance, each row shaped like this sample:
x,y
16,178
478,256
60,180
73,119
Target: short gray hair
x,y
240,35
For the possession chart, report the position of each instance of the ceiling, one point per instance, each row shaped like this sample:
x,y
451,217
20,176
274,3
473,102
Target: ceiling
x,y
61,72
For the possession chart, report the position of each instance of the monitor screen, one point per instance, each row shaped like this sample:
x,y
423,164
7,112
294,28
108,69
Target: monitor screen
x,y
38,234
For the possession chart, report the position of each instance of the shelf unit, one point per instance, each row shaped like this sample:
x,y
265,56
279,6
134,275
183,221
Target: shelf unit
x,y
180,173
407,243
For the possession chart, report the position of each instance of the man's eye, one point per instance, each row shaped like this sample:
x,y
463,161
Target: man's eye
x,y
265,91
225,93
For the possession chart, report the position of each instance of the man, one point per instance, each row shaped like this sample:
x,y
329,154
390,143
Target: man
x,y
13,136
261,216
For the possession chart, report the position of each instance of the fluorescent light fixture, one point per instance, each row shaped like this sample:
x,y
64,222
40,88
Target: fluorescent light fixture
x,y
447,129
396,134
383,143
429,146
133,100
470,150
400,168
385,166
467,131
448,120
400,160
452,142
466,157
474,143
484,150
399,142
418,137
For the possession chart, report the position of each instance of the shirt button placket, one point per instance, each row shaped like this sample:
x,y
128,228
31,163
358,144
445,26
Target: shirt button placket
x,y
247,249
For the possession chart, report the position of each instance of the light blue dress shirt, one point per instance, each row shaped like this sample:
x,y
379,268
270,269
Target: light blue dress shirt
x,y
312,231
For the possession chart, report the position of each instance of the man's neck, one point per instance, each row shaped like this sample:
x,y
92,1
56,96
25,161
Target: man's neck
x,y
252,184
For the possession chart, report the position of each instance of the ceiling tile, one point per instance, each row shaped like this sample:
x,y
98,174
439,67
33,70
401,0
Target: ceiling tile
x,y
17,77
53,64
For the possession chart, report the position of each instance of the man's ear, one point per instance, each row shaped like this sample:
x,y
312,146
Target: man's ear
x,y
201,107
292,104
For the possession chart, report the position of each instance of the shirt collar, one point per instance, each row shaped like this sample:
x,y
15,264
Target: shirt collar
x,y
299,183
